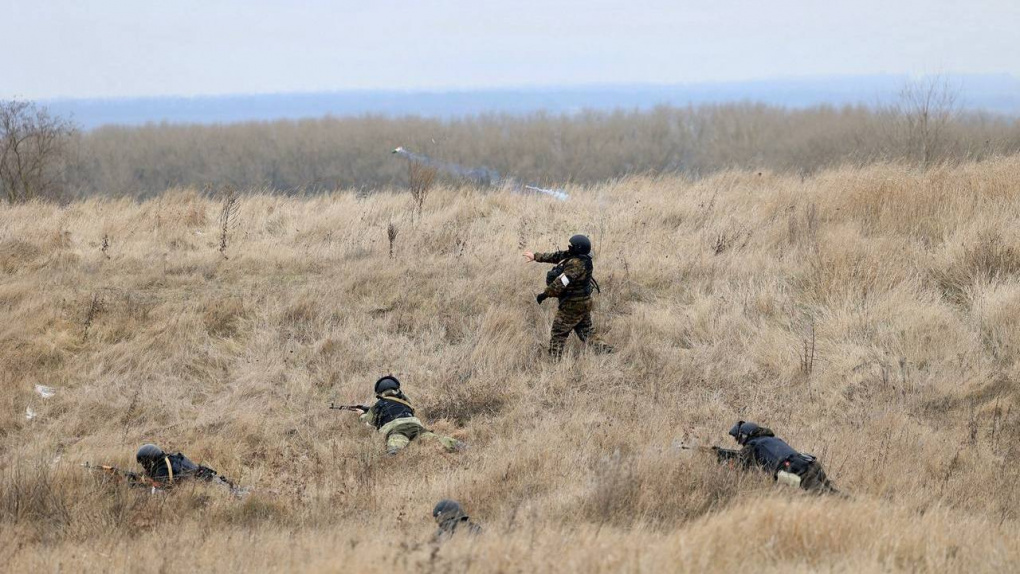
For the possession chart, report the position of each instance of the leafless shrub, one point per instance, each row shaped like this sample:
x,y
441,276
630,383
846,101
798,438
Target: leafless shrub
x,y
33,148
807,356
92,311
391,235
420,179
228,217
721,243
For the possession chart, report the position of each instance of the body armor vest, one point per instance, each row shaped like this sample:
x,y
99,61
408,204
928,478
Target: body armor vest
x,y
388,410
580,287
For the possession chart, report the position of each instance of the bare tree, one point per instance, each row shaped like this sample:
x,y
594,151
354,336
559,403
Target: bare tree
x,y
33,149
926,108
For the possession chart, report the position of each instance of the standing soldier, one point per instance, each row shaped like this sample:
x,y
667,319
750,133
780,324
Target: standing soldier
x,y
572,283
393,417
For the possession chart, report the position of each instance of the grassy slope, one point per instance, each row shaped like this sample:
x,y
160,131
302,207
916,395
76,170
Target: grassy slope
x,y
910,283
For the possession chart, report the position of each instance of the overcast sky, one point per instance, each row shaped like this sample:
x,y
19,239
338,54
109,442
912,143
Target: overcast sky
x,y
88,48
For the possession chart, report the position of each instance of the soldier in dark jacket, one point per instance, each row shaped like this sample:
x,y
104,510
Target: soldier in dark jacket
x,y
450,517
762,449
167,469
393,417
572,283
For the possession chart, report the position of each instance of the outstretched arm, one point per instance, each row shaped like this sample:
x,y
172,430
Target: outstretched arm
x,y
550,257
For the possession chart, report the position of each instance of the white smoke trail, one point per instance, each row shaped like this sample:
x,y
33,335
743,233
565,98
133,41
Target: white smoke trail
x,y
557,193
480,175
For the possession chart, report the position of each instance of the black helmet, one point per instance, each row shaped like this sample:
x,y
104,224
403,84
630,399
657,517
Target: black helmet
x,y
447,509
148,455
742,431
387,383
580,245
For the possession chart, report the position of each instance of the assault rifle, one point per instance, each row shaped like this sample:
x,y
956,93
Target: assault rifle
x,y
721,454
209,475
352,408
127,476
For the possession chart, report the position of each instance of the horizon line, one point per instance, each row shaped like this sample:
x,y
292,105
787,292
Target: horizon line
x,y
533,88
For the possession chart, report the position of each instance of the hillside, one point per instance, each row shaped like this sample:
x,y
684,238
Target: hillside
x,y
867,315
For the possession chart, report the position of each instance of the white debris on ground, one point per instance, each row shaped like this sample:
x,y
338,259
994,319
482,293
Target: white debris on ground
x,y
44,391
29,413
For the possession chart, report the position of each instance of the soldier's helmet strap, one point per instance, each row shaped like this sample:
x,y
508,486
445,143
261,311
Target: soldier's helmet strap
x,y
169,469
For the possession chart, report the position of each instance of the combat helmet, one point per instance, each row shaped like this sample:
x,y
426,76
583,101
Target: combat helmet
x,y
580,245
743,431
447,509
387,383
148,455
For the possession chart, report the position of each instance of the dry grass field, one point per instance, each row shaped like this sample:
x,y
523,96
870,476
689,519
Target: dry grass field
x,y
868,315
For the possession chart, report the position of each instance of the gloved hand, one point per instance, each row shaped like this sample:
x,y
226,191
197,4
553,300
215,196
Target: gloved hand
x,y
541,297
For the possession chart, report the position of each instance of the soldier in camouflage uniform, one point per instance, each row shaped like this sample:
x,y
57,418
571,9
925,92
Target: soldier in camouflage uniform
x,y
450,517
393,416
572,283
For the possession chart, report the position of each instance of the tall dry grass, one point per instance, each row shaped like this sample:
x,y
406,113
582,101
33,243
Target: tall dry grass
x,y
907,282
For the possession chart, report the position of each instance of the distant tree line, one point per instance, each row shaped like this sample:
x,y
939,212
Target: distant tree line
x,y
330,153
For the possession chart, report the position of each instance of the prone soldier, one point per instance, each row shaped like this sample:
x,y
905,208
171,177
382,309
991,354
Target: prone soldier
x,y
167,469
762,449
393,417
161,470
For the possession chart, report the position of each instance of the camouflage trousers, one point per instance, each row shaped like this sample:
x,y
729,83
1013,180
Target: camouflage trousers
x,y
401,432
814,479
574,314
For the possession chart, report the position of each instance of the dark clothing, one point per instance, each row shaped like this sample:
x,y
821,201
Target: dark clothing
x,y
768,453
392,405
773,455
174,467
449,527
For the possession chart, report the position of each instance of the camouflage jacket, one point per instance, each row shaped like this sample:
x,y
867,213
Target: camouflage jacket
x,y
572,276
